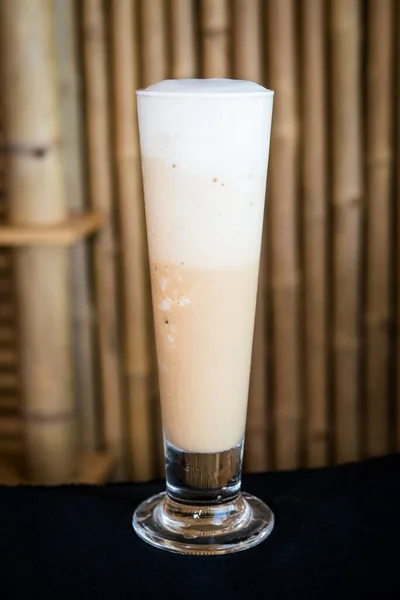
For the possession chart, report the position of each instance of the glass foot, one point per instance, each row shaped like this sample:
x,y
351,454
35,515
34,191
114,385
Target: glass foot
x,y
203,529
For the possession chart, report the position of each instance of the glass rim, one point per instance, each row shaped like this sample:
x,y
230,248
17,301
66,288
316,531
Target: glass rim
x,y
212,95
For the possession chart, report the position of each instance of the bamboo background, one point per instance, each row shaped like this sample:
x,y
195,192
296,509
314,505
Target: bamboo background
x,y
78,377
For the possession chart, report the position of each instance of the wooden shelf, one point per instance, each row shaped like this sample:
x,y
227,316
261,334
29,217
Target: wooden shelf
x,y
95,468
66,233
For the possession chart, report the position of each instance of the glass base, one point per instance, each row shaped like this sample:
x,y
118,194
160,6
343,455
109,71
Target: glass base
x,y
229,527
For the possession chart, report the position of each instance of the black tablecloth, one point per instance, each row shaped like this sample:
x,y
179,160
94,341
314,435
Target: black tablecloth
x,y
337,535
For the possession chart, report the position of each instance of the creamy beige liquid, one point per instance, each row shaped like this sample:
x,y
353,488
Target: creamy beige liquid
x,y
204,148
204,322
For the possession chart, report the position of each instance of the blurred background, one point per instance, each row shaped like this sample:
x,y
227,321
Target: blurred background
x,y
78,377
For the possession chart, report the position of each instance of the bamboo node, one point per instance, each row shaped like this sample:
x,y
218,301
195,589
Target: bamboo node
x,y
318,433
287,414
383,159
34,151
93,33
314,215
42,418
215,32
351,202
258,428
382,321
279,283
346,342
288,130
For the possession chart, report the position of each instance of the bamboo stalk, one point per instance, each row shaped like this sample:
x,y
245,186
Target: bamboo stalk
x,y
36,195
5,260
5,284
247,40
154,68
10,425
8,381
379,194
183,39
154,41
7,311
8,357
137,363
215,30
315,229
8,401
11,446
100,184
7,335
71,124
283,238
397,200
248,65
346,205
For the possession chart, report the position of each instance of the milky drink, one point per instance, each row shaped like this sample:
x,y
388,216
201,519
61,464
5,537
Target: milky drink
x,y
204,146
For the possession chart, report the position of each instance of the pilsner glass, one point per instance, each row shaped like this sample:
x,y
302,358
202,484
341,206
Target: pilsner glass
x,y
204,148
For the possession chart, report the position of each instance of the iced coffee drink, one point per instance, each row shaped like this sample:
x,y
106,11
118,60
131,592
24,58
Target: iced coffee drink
x,y
204,148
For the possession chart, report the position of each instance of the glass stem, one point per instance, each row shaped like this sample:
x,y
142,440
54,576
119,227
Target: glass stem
x,y
203,478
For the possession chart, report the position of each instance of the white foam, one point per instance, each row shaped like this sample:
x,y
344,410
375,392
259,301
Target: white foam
x,y
209,87
205,146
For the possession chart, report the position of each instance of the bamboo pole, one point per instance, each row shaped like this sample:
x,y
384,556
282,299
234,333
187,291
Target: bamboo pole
x,y
8,381
346,206
36,195
248,65
7,311
315,229
5,260
71,125
8,357
9,401
155,68
215,30
11,446
283,238
100,184
11,434
183,39
247,40
137,363
397,200
7,335
154,44
379,195
10,425
5,285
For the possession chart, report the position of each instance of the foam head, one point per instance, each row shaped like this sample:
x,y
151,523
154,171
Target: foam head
x,y
204,145
203,121
207,87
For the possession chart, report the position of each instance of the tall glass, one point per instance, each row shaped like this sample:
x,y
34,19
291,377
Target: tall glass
x,y
204,147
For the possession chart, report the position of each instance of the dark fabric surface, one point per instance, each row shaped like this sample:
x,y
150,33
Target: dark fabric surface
x,y
336,536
